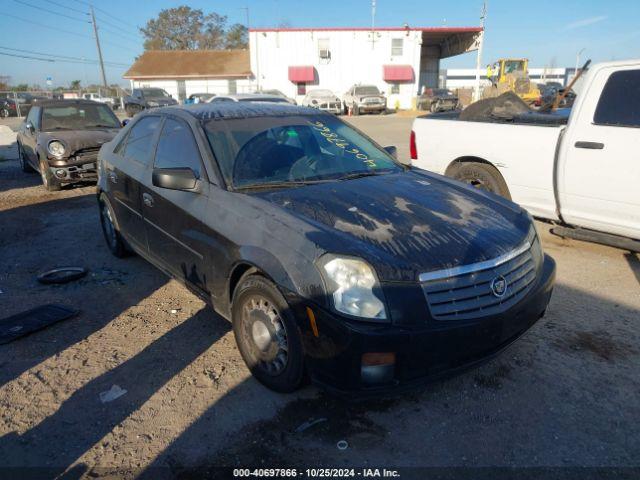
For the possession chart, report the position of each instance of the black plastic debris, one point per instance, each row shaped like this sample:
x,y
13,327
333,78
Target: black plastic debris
x,y
62,275
22,324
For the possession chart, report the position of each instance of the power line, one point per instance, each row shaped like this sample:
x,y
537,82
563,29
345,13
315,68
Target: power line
x,y
106,13
51,11
49,60
87,60
67,7
129,35
42,25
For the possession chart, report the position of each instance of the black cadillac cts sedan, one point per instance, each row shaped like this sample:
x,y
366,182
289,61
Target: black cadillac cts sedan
x,y
331,259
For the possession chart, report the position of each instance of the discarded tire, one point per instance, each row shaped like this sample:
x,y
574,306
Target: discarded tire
x,y
62,275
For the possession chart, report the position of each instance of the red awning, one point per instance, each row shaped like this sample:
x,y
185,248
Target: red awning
x,y
304,74
397,73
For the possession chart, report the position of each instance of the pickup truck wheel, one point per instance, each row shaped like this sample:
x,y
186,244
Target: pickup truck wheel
x,y
480,175
132,110
112,236
48,180
267,334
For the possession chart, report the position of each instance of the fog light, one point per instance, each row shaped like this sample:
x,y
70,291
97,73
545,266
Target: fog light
x,y
61,173
377,367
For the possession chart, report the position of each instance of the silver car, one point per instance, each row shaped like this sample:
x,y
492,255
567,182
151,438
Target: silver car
x,y
364,98
247,97
324,100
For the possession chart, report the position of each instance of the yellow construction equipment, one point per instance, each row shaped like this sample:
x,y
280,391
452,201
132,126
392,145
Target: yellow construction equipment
x,y
511,74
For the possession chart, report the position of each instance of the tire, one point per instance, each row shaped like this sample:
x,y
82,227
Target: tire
x,y
481,175
267,334
48,180
132,110
112,237
4,112
25,166
355,111
433,108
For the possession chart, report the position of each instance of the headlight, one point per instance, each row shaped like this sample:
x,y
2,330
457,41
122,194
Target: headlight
x,y
536,246
56,148
153,104
314,102
354,287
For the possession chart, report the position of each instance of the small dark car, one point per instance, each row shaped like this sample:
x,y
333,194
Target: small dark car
x,y
8,107
329,257
438,100
61,139
143,98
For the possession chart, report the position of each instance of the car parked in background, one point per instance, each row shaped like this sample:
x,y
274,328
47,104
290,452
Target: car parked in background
x,y
143,98
324,100
330,258
61,139
247,97
96,97
364,99
438,100
277,93
199,98
8,107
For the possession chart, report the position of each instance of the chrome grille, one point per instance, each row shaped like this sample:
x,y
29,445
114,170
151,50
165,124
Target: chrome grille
x,y
467,292
87,154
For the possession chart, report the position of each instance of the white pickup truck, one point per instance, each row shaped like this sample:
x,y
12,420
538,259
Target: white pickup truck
x,y
582,173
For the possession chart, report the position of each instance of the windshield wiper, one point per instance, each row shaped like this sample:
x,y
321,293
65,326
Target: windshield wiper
x,y
268,185
100,125
351,176
48,129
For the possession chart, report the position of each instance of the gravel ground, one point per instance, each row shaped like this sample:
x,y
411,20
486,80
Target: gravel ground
x,y
565,395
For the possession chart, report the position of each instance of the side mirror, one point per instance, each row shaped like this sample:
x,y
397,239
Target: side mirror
x,y
125,122
174,178
30,127
392,150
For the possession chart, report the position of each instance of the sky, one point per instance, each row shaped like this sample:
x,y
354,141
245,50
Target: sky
x,y
548,32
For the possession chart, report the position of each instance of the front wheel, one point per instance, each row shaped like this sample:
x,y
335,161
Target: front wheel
x,y
24,162
111,234
4,112
48,180
481,175
267,335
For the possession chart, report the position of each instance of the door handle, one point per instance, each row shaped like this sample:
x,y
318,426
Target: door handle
x,y
147,199
113,176
590,145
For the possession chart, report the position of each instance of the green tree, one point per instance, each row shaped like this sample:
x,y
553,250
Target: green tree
x,y
185,28
236,37
74,85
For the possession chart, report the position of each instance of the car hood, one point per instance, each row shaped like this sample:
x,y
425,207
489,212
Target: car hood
x,y
162,100
78,139
407,223
325,99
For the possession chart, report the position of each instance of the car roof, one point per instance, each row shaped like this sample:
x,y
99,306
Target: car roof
x,y
236,110
250,96
66,102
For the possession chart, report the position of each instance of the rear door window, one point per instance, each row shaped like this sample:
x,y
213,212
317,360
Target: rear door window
x,y
177,148
620,100
140,143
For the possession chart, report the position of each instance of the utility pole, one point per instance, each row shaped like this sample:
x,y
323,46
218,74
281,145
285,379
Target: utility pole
x,y
95,31
575,72
246,9
373,23
483,15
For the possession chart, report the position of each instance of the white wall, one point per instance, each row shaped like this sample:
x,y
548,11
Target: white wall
x,y
354,59
218,86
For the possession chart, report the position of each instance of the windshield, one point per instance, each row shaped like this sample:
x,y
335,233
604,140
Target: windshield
x,y
154,92
285,150
321,93
441,92
78,117
263,99
367,90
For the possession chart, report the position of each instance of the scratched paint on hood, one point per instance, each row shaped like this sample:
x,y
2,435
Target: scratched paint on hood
x,y
402,226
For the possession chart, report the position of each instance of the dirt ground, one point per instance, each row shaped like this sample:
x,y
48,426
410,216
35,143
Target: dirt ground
x,y
565,395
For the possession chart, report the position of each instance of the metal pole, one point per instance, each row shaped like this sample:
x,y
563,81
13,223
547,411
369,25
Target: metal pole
x,y
373,23
476,93
95,31
575,72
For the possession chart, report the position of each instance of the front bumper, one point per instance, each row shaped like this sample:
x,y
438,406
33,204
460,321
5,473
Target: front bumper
x,y
372,107
77,172
424,351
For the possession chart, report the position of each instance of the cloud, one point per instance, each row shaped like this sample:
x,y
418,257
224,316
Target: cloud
x,y
585,22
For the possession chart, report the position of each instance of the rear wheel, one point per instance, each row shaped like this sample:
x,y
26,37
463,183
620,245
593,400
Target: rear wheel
x,y
4,112
267,335
48,180
481,175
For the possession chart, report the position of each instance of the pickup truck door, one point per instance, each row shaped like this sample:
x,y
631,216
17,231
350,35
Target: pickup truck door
x,y
599,171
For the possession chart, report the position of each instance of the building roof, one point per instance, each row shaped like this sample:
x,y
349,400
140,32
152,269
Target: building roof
x,y
368,29
191,64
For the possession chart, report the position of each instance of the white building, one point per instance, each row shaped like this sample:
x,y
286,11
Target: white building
x,y
400,61
184,72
